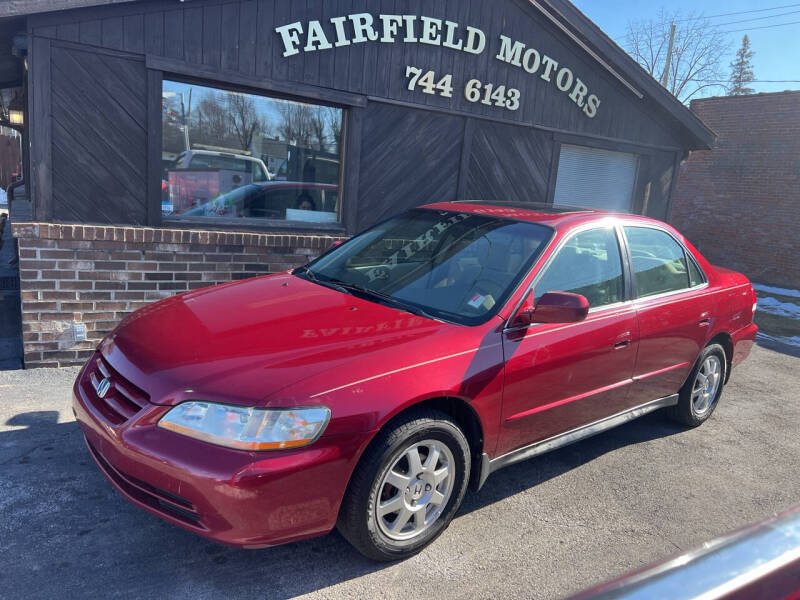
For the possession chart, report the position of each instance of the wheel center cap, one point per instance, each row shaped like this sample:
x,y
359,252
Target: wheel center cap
x,y
416,489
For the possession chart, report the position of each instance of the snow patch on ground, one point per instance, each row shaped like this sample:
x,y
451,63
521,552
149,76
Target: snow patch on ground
x,y
793,340
768,289
773,306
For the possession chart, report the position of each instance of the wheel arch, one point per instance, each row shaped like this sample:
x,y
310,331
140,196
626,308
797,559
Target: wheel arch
x,y
461,411
724,339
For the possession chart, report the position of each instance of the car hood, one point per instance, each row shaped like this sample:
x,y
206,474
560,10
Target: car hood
x,y
244,341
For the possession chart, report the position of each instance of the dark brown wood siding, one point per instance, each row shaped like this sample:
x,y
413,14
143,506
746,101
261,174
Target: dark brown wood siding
x,y
409,157
99,148
98,132
508,163
238,37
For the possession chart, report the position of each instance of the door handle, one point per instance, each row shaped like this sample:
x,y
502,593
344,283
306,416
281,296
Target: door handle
x,y
623,340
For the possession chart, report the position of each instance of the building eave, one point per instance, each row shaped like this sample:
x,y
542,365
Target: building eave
x,y
17,8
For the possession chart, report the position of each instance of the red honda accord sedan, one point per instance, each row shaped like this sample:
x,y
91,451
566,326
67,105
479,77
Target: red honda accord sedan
x,y
368,389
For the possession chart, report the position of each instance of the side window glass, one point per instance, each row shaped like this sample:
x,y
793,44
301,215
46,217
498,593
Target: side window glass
x,y
588,264
695,276
659,264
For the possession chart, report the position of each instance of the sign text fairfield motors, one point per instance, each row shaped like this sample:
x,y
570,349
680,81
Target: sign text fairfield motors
x,y
412,29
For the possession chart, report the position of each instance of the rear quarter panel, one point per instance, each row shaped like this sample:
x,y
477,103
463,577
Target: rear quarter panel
x,y
733,300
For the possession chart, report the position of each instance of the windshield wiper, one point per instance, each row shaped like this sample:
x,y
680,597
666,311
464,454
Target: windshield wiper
x,y
305,270
386,298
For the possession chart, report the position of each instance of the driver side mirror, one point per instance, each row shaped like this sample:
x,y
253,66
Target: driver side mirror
x,y
561,307
552,307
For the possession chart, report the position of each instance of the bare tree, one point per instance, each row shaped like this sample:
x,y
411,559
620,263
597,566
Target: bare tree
x,y
243,118
698,50
319,128
296,124
213,122
742,70
334,119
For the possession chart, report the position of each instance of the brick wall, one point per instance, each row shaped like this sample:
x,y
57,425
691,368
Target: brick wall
x,y
82,275
740,202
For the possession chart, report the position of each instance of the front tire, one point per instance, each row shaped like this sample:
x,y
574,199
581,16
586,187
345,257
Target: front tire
x,y
700,394
407,486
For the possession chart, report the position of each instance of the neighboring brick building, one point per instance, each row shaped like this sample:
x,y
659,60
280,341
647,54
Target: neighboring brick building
x,y
740,202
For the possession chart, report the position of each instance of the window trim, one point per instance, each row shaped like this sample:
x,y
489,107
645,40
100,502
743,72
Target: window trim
x,y
250,224
627,270
626,289
155,148
688,255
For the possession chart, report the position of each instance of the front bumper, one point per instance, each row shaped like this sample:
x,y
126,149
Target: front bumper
x,y
246,499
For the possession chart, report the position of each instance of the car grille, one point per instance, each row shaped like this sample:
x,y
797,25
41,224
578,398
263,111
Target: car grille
x,y
122,400
159,500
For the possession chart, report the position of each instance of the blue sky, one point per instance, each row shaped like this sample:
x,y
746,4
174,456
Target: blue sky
x,y
777,49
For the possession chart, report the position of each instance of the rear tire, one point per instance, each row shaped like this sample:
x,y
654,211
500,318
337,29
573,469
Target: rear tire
x,y
700,394
407,487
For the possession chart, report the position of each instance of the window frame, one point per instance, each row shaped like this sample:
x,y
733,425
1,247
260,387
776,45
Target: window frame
x,y
686,254
242,224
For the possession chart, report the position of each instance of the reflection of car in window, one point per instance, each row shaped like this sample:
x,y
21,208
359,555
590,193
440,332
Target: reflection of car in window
x,y
304,164
210,159
274,200
195,177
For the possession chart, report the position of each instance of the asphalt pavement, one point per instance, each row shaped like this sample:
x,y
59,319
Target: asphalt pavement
x,y
541,529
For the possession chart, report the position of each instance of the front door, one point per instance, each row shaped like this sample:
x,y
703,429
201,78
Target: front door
x,y
562,376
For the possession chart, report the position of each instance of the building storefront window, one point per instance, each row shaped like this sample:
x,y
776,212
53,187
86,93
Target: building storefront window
x,y
595,178
231,155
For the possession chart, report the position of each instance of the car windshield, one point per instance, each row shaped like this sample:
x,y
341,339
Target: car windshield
x,y
453,266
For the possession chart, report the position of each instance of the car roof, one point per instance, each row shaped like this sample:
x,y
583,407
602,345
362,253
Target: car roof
x,y
218,153
559,216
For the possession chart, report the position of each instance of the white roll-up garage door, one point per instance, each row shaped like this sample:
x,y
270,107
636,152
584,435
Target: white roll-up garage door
x,y
595,178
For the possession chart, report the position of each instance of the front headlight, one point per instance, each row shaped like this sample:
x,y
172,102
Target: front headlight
x,y
247,428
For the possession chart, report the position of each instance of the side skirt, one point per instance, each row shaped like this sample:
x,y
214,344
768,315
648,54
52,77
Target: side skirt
x,y
489,466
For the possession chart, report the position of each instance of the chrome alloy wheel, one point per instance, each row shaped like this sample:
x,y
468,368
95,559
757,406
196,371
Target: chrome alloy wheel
x,y
415,489
706,384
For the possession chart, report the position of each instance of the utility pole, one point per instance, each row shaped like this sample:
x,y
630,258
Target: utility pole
x,y
665,74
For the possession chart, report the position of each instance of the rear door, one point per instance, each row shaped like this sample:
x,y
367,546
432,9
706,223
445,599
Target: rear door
x,y
563,375
673,308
